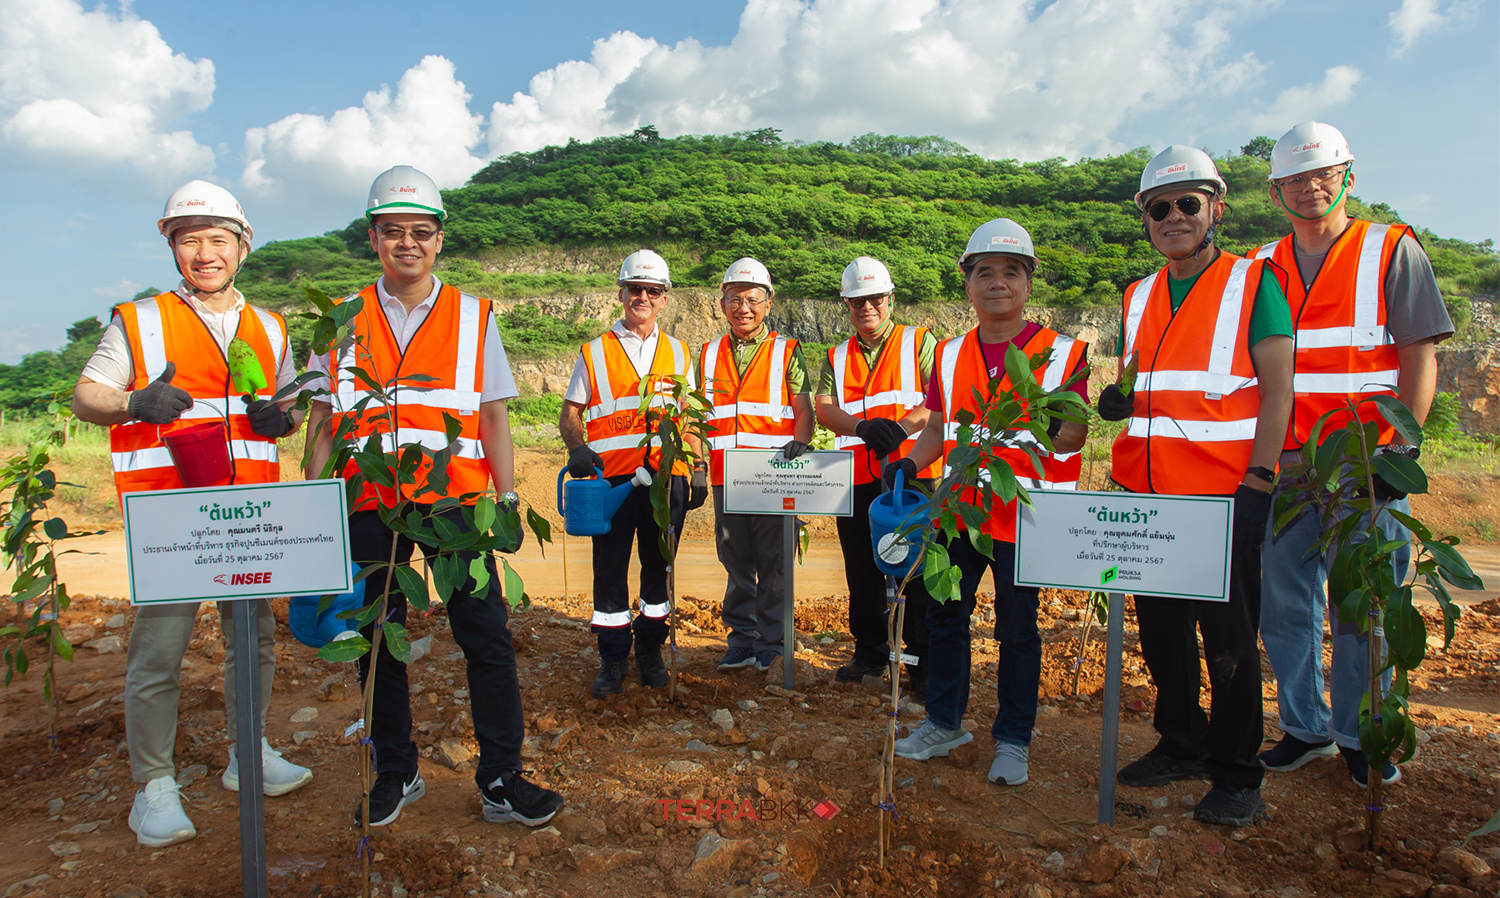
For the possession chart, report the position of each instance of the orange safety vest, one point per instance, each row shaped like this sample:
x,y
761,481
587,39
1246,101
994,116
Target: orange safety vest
x,y
753,413
447,347
892,389
613,421
1344,351
1196,399
961,372
165,328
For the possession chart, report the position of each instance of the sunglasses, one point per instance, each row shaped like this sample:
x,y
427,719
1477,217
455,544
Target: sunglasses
x,y
396,234
1189,206
859,302
650,291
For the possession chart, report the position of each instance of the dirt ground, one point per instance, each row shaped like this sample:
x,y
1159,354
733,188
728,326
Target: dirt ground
x,y
630,767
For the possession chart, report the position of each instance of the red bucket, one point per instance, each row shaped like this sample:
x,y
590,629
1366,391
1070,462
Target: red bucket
x,y
201,454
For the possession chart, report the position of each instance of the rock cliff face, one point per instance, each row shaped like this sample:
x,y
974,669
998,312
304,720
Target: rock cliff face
x,y
1472,370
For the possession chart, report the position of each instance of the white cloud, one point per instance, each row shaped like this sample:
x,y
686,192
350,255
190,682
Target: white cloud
x,y
426,123
1416,18
1306,101
88,90
124,289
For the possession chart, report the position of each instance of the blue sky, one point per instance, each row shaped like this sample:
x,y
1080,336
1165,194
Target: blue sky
x,y
295,107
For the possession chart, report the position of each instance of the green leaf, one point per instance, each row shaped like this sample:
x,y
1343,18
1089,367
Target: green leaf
x,y
484,513
1405,631
396,641
1410,523
1400,472
452,427
1400,418
345,649
515,590
1454,568
55,528
414,586
446,530
1491,827
480,573
541,527
447,574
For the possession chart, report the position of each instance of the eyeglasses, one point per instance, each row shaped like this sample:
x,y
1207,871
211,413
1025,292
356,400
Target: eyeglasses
x,y
395,233
1313,178
859,302
1188,205
745,303
651,292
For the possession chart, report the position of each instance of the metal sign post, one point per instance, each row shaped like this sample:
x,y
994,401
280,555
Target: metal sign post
x,y
761,481
247,749
1171,546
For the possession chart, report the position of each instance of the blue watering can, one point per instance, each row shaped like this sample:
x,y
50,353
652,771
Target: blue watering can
x,y
591,504
317,630
890,513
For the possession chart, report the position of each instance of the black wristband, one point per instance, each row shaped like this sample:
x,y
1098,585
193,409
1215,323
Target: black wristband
x,y
1264,473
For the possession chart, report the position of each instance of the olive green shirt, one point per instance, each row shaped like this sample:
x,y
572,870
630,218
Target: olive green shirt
x,y
926,352
744,351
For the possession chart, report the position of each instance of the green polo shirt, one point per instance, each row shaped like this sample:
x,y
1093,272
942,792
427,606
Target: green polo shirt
x,y
1269,317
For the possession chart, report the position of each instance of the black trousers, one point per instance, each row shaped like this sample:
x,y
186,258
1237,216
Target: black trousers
x,y
480,627
1229,736
867,606
633,525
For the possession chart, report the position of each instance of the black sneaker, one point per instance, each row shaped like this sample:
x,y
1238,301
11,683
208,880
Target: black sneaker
x,y
1230,806
648,661
1291,753
611,679
390,794
1359,768
856,670
515,800
1156,768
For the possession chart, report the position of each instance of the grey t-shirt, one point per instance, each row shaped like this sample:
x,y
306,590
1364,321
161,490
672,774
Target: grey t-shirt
x,y
1414,309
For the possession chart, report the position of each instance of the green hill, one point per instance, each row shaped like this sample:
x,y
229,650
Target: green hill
x,y
557,221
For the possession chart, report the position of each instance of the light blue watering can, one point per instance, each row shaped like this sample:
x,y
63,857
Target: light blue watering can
x,y
891,513
317,630
591,504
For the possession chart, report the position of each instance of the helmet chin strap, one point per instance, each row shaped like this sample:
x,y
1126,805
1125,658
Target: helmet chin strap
x,y
1332,206
1207,242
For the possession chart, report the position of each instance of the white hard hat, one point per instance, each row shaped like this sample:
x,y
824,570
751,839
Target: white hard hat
x,y
644,267
202,200
748,271
404,189
1309,147
866,276
1179,166
1000,236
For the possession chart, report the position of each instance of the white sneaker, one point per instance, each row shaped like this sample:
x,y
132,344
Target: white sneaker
x,y
1009,767
278,775
931,741
157,817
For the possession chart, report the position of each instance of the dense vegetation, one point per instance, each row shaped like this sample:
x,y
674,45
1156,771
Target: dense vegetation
x,y
803,209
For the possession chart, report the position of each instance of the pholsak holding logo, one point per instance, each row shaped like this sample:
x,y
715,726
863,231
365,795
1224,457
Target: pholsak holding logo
x,y
237,542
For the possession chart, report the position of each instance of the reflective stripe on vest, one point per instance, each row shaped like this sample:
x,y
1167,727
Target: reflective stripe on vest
x,y
892,389
961,371
166,328
1196,398
613,424
448,347
750,413
1343,349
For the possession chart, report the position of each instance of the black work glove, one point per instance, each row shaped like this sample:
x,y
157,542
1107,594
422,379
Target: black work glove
x,y
159,402
793,449
1115,405
882,435
697,489
1251,509
1054,428
506,505
1384,492
268,419
582,461
905,465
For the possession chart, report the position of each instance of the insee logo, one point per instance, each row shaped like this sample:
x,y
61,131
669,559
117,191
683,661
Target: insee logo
x,y
404,189
243,579
867,277
788,503
186,203
1006,241
1171,169
1307,147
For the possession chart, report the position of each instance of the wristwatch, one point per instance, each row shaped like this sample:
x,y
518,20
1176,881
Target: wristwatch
x,y
1263,472
1411,452
510,500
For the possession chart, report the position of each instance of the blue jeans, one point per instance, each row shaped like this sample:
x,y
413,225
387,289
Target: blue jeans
x,y
1293,602
1020,667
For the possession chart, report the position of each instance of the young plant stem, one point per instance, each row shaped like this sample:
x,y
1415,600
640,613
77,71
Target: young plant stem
x,y
1083,647
1375,771
51,676
893,625
672,539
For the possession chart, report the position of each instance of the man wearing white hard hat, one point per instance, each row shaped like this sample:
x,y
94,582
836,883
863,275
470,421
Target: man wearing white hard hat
x,y
998,264
757,384
412,325
1368,317
134,384
870,394
602,424
1211,338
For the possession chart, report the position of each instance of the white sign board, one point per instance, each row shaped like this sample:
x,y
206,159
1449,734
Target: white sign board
x,y
251,541
760,481
1148,545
